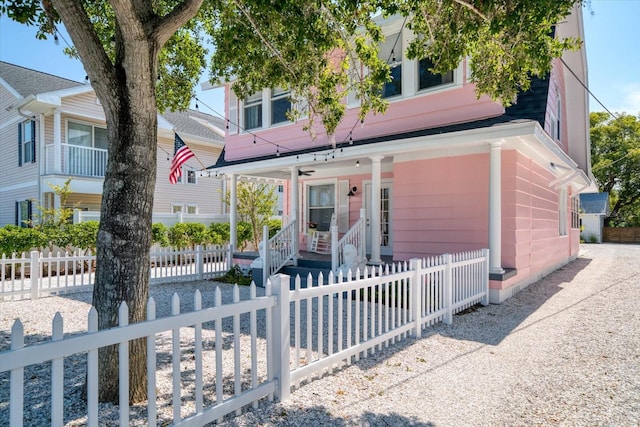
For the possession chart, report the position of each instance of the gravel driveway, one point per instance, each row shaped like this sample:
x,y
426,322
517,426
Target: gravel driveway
x,y
565,351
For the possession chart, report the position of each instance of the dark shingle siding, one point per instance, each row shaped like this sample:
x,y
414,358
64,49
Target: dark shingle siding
x,y
532,104
30,82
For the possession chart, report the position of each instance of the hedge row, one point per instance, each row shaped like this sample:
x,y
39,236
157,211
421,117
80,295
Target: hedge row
x,y
83,236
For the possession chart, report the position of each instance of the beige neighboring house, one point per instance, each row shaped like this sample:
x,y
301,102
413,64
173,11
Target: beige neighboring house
x,y
52,129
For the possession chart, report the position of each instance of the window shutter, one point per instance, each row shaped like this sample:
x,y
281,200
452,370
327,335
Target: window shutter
x,y
19,146
17,213
33,142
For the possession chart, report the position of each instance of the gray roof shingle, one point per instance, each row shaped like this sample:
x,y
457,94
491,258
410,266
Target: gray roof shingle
x,y
196,123
27,82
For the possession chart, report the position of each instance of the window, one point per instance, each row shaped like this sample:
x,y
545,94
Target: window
x,y
280,188
321,205
575,212
253,111
391,52
562,212
191,177
558,122
280,105
192,209
23,213
87,151
26,142
428,79
176,208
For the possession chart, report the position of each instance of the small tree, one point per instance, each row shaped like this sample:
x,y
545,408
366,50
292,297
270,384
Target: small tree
x,y
256,204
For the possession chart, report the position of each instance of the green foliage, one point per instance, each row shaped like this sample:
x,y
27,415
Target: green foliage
x,y
188,235
245,235
615,156
235,276
160,234
256,204
220,232
84,235
15,239
274,225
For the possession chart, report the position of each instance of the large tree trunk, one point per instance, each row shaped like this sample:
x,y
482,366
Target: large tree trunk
x,y
124,235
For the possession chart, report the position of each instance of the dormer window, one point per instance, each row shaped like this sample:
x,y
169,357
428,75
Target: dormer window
x,y
253,111
391,53
427,79
280,105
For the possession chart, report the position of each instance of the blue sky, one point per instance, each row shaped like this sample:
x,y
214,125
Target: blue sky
x,y
612,35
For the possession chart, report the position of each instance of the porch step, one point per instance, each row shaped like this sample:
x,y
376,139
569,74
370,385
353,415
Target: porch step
x,y
303,272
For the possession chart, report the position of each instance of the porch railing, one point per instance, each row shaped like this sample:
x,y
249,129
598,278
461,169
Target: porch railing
x,y
279,250
76,160
355,236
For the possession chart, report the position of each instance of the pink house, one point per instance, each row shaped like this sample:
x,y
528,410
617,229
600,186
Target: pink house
x,y
446,172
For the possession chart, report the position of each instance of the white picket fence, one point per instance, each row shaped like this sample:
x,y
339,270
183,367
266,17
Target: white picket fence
x,y
33,275
305,332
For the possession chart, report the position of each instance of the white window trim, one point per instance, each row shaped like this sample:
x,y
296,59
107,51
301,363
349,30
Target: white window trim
x,y
314,183
84,123
175,205
191,205
186,176
562,211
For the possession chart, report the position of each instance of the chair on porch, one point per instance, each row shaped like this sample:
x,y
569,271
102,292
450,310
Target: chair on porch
x,y
321,240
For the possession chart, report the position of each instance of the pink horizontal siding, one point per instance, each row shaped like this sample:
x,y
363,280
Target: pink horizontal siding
x,y
455,105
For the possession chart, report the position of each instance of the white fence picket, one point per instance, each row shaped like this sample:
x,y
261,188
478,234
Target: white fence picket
x,y
362,313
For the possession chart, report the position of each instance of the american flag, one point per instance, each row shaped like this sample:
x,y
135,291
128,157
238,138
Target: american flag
x,y
181,153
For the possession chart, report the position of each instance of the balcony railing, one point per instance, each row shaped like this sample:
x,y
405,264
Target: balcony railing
x,y
76,160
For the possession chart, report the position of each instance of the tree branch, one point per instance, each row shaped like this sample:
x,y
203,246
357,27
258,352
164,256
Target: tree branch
x,y
77,23
166,26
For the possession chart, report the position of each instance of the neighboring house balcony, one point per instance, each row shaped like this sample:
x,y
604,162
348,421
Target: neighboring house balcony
x,y
75,160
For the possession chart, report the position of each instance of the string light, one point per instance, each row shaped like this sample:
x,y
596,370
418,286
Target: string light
x,y
357,163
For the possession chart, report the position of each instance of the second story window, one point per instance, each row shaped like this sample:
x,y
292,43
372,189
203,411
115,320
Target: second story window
x,y
280,105
391,52
26,142
428,79
86,153
191,177
253,111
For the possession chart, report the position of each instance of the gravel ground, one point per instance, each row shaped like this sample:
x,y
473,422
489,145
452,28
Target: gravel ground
x,y
565,351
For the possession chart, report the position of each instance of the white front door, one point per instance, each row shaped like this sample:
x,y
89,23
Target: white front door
x,y
386,240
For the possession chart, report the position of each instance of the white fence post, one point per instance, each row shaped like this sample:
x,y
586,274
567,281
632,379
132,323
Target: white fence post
x,y
266,255
281,336
416,296
485,277
448,289
16,399
199,262
334,248
35,274
230,257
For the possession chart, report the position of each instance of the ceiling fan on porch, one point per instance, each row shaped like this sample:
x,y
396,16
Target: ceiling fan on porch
x,y
305,173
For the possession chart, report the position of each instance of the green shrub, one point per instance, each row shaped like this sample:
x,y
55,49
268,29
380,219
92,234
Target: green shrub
x,y
15,239
245,235
235,276
274,225
220,232
188,234
160,234
83,235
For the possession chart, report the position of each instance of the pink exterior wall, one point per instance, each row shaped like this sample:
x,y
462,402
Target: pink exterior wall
x,y
455,105
440,205
530,229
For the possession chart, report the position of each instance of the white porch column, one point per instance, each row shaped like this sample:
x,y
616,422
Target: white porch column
x,y
57,143
233,211
375,209
495,207
294,211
